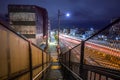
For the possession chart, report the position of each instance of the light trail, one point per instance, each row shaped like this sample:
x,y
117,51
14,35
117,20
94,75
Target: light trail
x,y
92,58
101,48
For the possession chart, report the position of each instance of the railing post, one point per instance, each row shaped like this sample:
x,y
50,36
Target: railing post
x,y
8,56
65,58
82,54
42,64
70,59
49,58
30,60
62,58
81,58
46,58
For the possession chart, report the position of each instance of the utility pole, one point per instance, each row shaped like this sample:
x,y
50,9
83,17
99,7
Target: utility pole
x,y
58,46
58,25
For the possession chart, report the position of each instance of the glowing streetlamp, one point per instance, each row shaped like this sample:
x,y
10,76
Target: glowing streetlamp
x,y
59,14
68,14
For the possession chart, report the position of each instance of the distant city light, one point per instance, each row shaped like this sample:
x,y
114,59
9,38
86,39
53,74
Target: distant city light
x,y
67,14
91,29
83,36
102,36
105,39
116,38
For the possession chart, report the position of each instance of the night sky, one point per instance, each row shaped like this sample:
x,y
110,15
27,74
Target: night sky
x,y
84,13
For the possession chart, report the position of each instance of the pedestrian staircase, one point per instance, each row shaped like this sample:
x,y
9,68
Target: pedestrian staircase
x,y
55,73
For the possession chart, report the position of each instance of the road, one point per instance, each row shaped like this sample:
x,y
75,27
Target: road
x,y
95,54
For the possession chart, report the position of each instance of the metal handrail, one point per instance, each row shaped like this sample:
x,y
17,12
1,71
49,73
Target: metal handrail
x,y
82,54
41,72
108,26
103,71
78,77
21,36
75,46
22,72
71,48
116,21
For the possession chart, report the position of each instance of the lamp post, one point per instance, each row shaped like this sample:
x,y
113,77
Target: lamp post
x,y
59,14
58,25
58,46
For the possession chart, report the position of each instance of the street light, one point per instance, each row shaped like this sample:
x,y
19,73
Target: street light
x,y
58,24
59,14
68,15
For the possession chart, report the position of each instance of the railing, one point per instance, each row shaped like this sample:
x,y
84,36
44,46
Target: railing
x,y
19,58
96,58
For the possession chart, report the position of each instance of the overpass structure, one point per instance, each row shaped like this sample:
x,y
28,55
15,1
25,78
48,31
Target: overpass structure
x,y
86,60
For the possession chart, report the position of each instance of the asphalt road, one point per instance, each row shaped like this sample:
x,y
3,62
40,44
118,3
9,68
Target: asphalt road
x,y
95,53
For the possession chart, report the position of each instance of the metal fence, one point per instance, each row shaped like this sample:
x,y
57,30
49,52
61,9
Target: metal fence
x,y
19,58
97,57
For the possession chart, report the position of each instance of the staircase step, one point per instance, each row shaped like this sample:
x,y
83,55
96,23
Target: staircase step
x,y
55,60
55,67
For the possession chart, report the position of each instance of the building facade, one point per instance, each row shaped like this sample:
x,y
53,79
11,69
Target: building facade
x,y
30,21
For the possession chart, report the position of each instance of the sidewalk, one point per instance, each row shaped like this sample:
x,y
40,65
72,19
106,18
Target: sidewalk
x,y
54,73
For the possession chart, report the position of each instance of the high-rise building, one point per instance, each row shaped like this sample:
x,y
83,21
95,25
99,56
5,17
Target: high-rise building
x,y
30,21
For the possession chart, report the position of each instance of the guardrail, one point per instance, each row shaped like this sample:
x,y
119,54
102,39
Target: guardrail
x,y
94,63
19,58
